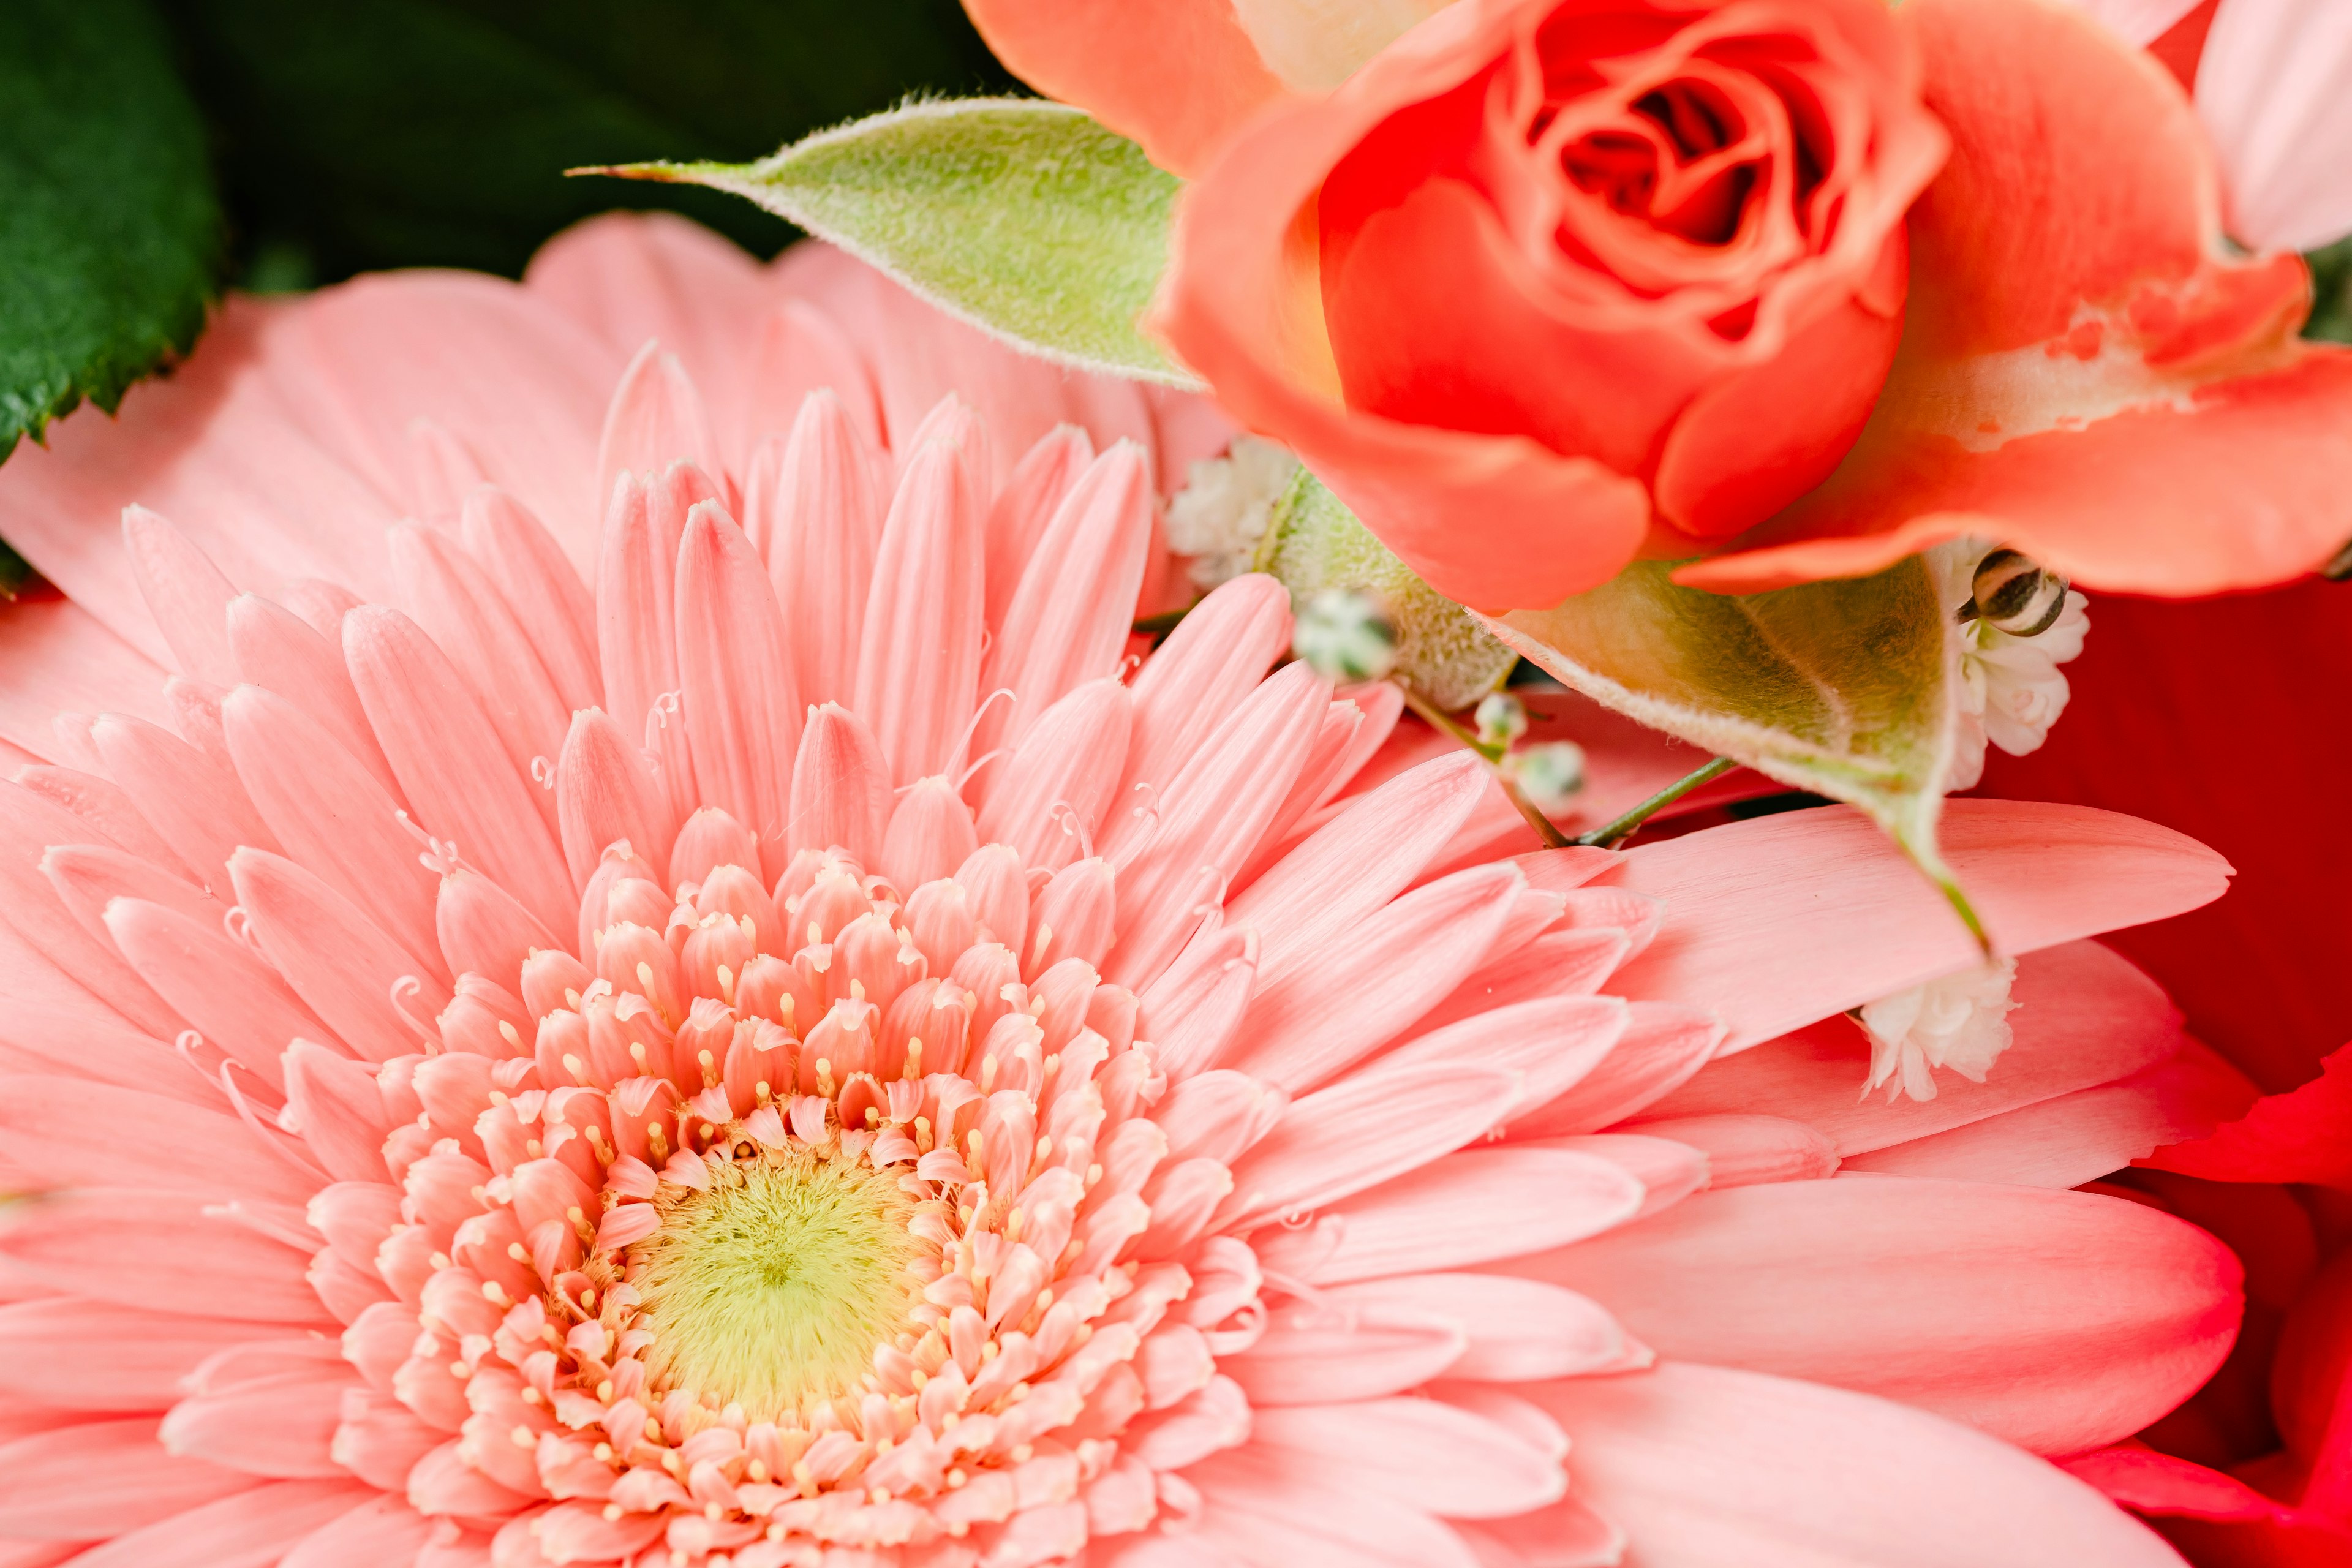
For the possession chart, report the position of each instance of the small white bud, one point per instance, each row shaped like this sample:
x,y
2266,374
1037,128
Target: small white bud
x,y
1550,776
1343,635
1502,719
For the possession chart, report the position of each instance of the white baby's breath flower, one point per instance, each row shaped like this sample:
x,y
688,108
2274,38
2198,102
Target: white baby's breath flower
x,y
1960,1022
2011,687
1220,515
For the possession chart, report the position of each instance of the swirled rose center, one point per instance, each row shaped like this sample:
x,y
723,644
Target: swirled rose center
x,y
771,1289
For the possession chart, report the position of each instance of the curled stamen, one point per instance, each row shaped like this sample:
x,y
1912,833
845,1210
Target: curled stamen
x,y
276,1142
406,991
658,718
1067,815
439,855
979,762
542,773
238,921
1148,815
185,1044
971,728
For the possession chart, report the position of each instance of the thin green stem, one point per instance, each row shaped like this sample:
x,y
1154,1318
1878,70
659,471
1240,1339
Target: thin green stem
x,y
1609,835
1546,829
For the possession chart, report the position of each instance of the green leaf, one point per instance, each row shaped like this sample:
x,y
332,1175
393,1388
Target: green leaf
x,y
1844,689
109,234
1022,217
2331,293
1313,543
369,133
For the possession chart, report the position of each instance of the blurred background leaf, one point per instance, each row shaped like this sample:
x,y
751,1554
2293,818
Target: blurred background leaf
x,y
110,232
369,133
2331,293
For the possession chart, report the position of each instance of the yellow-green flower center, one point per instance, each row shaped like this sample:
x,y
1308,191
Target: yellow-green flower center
x,y
771,1290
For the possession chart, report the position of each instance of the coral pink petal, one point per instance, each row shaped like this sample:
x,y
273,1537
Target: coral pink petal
x,y
1739,910
252,1530
1358,1133
541,585
184,592
803,352
60,659
2080,1137
89,1356
335,958
1491,1204
383,1530
1070,620
523,386
277,650
809,508
1217,654
102,1477
1422,1452
656,418
183,1146
449,760
606,792
2057,1320
1518,1330
218,448
734,654
1018,518
328,814
444,590
918,654
841,787
1059,783
1376,846
1175,863
1349,996
2084,1017
1275,1512
1662,1045
191,1260
232,996
1705,1465
628,276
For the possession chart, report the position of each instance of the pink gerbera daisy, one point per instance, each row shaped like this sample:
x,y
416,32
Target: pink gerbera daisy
x,y
800,1054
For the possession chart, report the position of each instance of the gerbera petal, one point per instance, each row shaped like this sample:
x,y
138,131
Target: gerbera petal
x,y
449,760
329,815
101,1476
2057,1320
809,508
1274,1511
1739,910
1706,1464
1421,1452
383,1530
165,1142
334,957
251,1530
190,1260
1469,1207
2079,1137
1517,1330
919,647
2085,1016
742,712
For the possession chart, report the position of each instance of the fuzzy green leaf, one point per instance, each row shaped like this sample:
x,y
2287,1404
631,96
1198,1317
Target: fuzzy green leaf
x,y
1313,543
1844,689
1022,217
109,234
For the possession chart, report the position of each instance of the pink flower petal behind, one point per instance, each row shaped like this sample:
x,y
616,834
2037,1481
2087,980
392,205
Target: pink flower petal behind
x,y
1744,880
2274,91
1705,1465
1881,1285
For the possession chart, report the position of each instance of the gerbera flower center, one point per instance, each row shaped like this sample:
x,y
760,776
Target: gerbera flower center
x,y
771,1290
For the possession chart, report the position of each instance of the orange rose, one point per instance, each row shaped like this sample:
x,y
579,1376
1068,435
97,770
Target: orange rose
x,y
1548,283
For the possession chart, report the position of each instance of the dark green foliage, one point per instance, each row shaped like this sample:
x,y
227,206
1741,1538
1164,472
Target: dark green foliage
x,y
2331,286
368,134
110,232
